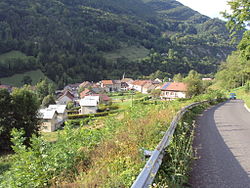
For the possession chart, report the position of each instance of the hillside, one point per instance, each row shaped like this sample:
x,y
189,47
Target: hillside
x,y
71,41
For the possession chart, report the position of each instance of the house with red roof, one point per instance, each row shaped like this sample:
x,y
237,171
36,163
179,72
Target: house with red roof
x,y
108,85
138,84
85,93
173,90
111,85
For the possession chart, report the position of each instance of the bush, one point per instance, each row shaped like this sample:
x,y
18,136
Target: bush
x,y
44,161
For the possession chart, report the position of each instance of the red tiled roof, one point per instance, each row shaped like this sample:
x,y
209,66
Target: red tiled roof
x,y
85,84
107,82
127,80
85,93
176,86
140,82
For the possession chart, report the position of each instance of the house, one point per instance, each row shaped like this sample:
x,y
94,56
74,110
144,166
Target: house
x,y
124,86
97,88
117,85
52,117
89,104
72,87
66,97
108,85
125,83
157,80
49,121
61,110
207,79
138,84
85,93
173,90
103,98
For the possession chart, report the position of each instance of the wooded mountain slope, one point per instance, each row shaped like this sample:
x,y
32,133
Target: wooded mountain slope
x,y
68,40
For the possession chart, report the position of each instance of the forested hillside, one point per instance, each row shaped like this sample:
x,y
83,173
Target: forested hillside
x,y
69,40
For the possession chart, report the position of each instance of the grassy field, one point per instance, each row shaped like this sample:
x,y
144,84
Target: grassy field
x,y
131,53
16,80
12,55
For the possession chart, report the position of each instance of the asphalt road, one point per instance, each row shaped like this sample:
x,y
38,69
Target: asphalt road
x,y
223,147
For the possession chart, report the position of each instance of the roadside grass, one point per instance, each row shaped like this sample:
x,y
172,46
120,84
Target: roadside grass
x,y
242,94
131,53
16,79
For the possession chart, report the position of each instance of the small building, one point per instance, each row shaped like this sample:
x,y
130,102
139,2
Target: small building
x,y
207,79
108,85
89,104
61,110
49,121
138,84
66,97
52,117
173,90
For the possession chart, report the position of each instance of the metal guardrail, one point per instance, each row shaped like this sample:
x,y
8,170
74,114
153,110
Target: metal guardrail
x,y
148,173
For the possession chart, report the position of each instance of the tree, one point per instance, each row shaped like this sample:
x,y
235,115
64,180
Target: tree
x,y
194,84
48,100
26,80
5,119
20,111
237,20
44,88
178,77
240,15
155,93
25,111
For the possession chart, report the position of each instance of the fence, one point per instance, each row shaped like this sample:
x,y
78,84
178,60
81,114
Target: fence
x,y
147,175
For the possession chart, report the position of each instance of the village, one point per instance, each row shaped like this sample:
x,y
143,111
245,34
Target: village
x,y
91,95
88,96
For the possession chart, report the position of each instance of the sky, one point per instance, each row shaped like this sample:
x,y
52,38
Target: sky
x,y
211,8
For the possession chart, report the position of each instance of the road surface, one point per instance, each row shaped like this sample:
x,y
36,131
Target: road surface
x,y
222,142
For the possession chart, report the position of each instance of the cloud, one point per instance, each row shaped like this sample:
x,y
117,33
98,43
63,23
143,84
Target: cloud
x,y
211,8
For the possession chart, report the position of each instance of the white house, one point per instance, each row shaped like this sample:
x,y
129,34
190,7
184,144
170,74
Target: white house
x,y
138,85
49,121
61,110
89,104
173,90
52,117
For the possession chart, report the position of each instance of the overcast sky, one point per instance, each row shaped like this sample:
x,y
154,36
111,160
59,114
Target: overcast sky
x,y
211,8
